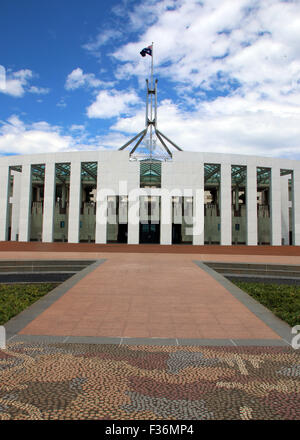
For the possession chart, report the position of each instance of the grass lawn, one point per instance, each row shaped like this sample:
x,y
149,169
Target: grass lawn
x,y
16,297
283,300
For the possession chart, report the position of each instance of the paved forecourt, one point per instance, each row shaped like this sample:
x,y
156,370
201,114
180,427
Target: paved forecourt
x,y
150,298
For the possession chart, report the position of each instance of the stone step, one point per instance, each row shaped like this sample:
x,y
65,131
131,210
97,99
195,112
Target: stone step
x,y
267,270
39,266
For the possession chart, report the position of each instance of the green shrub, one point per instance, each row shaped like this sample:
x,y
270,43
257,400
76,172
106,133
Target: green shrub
x,y
14,298
282,299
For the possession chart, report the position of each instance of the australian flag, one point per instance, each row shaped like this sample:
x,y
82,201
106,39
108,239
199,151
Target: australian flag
x,y
146,50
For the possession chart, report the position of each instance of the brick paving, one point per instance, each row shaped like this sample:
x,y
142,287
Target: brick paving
x,y
149,296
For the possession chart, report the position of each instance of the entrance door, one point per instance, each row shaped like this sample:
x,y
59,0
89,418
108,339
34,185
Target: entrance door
x,y
123,233
149,233
176,234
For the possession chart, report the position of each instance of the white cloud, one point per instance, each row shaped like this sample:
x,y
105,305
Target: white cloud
x,y
38,90
2,77
23,75
13,87
40,137
77,79
17,84
76,127
102,38
112,103
61,103
113,140
17,138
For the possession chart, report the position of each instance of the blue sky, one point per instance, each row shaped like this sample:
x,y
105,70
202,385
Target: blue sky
x,y
228,71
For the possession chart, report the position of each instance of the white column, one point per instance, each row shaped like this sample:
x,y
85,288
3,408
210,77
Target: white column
x,y
133,219
166,219
275,207
25,204
101,221
296,207
285,223
15,204
74,202
251,194
198,232
4,211
101,212
49,203
226,204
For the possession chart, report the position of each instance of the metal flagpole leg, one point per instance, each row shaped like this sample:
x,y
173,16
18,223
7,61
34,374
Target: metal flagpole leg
x,y
155,106
169,140
138,143
132,140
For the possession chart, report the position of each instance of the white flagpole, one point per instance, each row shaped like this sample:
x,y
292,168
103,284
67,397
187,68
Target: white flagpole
x,y
151,101
152,66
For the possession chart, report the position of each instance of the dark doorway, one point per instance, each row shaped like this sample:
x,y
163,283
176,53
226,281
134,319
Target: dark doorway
x,y
123,233
149,233
176,234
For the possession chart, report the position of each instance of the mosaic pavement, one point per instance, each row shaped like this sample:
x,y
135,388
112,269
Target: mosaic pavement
x,y
84,381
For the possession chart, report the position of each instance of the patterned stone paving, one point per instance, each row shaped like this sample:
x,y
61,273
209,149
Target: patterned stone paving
x,y
85,381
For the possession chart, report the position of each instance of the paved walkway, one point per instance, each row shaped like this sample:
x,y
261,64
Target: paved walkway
x,y
150,296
